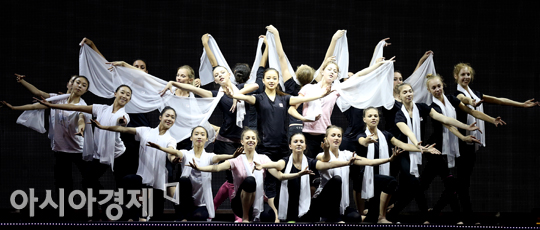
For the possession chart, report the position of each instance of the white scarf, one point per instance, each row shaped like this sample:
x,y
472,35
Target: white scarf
x,y
373,89
418,80
35,120
450,145
206,180
152,166
343,172
368,188
314,108
471,119
258,204
378,52
305,194
415,157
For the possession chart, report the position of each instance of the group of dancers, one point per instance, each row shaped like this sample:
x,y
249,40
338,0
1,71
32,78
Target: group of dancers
x,y
295,165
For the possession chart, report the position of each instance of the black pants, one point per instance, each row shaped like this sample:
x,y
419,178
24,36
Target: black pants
x,y
313,144
63,178
409,185
326,206
134,182
275,154
381,183
464,168
188,210
249,185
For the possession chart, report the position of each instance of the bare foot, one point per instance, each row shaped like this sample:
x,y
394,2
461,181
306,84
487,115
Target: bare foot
x,y
363,218
142,219
383,220
341,222
426,222
460,223
245,221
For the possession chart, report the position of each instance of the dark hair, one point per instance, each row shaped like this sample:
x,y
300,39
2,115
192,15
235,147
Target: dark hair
x,y
278,89
199,126
139,59
123,85
167,108
78,76
290,138
241,72
368,108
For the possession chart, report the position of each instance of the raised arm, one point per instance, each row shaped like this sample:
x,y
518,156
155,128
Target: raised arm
x,y
375,50
370,69
264,58
209,52
281,54
451,121
34,90
326,151
423,59
247,98
92,45
116,128
477,114
330,51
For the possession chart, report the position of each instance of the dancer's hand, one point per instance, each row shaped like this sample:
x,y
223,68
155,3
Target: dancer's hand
x,y
338,34
386,43
473,127
476,104
306,171
265,41
371,139
122,121
498,121
530,103
6,104
194,165
256,166
116,63
81,131
238,152
98,125
396,151
87,41
153,145
167,87
205,38
471,139
43,101
197,82
431,149
309,120
272,29
20,78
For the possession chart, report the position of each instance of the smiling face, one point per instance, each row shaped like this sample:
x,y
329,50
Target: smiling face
x,y
371,117
79,86
182,76
435,87
298,143
333,135
249,140
199,136
139,64
464,76
271,79
406,93
167,119
221,75
122,96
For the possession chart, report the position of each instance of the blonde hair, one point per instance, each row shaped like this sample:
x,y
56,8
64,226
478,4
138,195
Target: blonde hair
x,y
304,74
460,66
333,127
433,76
191,72
330,62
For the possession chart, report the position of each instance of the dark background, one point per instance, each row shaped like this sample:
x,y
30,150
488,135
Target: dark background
x,y
40,40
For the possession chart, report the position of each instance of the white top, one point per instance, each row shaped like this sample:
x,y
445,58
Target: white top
x,y
66,125
343,172
201,182
152,166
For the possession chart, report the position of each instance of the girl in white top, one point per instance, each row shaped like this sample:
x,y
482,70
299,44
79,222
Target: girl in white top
x,y
152,171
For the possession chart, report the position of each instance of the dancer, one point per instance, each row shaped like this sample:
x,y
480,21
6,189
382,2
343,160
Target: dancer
x,y
408,121
66,130
464,75
248,183
196,201
446,139
377,144
151,168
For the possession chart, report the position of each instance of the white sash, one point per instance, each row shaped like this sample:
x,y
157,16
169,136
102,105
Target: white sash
x,y
418,80
415,157
258,204
343,172
450,145
368,188
206,180
471,119
305,194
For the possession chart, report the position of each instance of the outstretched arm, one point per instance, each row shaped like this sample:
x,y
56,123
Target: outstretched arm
x,y
326,151
209,52
414,148
278,165
31,88
468,139
451,121
211,168
222,157
370,69
294,100
477,114
196,90
469,101
508,102
25,107
116,128
288,176
70,107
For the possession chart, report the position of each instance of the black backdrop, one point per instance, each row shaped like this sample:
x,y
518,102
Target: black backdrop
x,y
41,40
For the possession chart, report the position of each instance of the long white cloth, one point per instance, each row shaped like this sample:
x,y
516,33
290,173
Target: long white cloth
x,y
450,145
414,125
305,194
368,184
343,172
256,63
471,119
418,81
341,52
373,89
258,204
35,119
206,69
378,53
191,111
206,180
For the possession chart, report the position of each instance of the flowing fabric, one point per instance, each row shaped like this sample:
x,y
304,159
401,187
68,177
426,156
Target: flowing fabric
x,y
145,97
368,187
273,60
471,119
35,119
418,81
373,89
258,204
341,52
206,69
414,125
152,162
257,62
206,179
450,143
305,194
378,53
